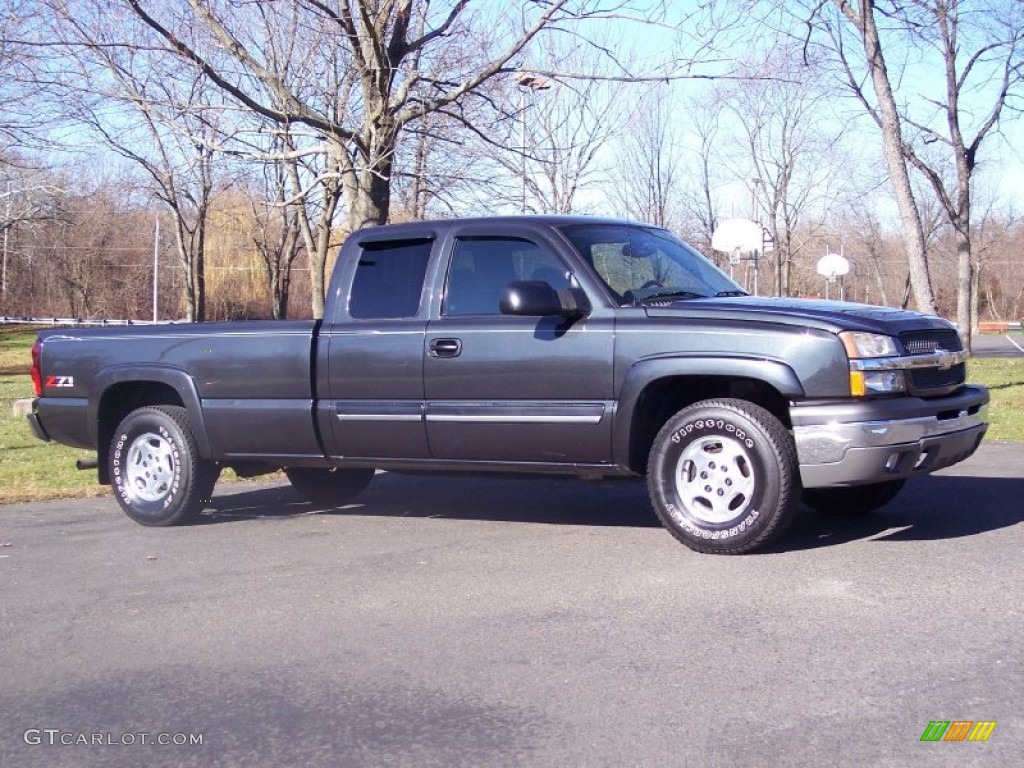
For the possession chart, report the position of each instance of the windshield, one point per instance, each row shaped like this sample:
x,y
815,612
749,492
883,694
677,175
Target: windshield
x,y
640,264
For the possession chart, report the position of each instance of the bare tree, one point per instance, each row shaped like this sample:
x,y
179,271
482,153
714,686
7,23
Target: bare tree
x,y
27,196
379,42
157,116
791,148
277,236
646,180
345,79
182,175
980,46
977,47
21,80
699,199
852,35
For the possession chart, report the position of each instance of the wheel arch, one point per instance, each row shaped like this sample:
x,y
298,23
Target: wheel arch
x,y
123,389
654,390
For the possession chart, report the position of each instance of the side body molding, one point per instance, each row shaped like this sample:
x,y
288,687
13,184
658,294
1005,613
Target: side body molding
x,y
177,379
644,372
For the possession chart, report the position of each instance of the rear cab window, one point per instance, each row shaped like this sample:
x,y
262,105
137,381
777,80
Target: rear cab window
x,y
389,278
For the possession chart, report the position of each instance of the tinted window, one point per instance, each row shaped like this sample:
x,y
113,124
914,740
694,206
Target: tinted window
x,y
482,266
389,279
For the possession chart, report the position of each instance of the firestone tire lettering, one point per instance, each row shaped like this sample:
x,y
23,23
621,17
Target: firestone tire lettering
x,y
723,476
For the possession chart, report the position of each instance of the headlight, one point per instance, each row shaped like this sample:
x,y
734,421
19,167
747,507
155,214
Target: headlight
x,y
868,345
866,378
876,382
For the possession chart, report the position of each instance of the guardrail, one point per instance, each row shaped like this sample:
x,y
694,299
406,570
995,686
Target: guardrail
x,y
997,327
5,320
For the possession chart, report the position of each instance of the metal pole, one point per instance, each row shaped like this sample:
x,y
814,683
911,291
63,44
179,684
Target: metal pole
x,y
156,267
522,142
7,228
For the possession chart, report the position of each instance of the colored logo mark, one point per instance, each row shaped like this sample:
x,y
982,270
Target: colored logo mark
x,y
958,730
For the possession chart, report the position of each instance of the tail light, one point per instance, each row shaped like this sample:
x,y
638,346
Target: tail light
x,y
37,374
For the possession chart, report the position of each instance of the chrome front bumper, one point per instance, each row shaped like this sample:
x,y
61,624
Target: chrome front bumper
x,y
896,441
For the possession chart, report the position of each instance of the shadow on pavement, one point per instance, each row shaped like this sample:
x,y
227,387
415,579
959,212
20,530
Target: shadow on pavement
x,y
938,507
558,501
931,508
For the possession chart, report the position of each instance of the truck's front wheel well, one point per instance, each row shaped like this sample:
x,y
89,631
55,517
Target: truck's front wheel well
x,y
661,399
120,400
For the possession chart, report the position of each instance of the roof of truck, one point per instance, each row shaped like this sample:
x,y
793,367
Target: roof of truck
x,y
543,221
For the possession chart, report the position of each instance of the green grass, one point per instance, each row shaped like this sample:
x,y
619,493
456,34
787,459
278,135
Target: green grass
x,y
1005,379
16,349
31,470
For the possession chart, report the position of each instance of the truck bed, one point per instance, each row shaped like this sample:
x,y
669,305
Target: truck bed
x,y
252,380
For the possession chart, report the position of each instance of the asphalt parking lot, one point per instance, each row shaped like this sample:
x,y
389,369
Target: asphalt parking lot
x,y
478,622
998,345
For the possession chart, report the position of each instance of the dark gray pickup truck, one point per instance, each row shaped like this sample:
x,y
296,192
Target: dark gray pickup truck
x,y
569,345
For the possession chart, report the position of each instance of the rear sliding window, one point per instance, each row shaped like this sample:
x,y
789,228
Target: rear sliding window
x,y
389,279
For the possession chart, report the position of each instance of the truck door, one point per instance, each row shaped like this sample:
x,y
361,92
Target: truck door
x,y
514,389
374,355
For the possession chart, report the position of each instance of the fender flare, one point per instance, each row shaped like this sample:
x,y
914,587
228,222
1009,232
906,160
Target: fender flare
x,y
641,374
177,379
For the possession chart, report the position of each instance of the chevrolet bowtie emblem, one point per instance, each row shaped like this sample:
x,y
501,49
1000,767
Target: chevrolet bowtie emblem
x,y
945,358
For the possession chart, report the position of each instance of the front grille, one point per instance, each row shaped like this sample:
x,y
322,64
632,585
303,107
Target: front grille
x,y
933,381
926,342
936,378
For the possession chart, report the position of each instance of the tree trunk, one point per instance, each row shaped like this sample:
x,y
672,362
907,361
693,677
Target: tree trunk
x,y
184,249
370,198
199,248
964,283
892,138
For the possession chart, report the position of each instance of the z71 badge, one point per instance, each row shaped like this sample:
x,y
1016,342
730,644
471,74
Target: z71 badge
x,y
60,381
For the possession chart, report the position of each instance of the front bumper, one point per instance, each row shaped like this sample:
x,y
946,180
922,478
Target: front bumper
x,y
880,440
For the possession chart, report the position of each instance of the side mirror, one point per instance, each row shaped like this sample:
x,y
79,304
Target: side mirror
x,y
536,298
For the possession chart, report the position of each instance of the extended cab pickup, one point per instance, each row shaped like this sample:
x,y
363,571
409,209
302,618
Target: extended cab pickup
x,y
570,345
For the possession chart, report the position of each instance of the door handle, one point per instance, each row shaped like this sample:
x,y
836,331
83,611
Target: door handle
x,y
445,347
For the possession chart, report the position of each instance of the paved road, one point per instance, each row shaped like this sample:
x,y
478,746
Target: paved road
x,y
998,345
453,622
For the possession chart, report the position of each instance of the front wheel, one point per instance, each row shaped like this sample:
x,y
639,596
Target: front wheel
x,y
723,476
158,476
855,500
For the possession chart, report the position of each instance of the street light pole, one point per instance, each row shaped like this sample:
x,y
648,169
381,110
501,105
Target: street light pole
x,y
7,228
156,267
526,82
757,220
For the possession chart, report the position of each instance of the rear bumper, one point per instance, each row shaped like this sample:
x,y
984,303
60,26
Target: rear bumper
x,y
858,444
37,426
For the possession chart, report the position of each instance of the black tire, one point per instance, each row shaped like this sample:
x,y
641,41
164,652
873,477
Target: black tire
x,y
723,477
158,476
854,500
329,487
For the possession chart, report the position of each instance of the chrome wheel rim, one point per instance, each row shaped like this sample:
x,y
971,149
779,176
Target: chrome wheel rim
x,y
149,467
715,479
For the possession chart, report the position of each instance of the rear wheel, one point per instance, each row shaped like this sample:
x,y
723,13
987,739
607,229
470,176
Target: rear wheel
x,y
722,476
329,487
854,500
158,476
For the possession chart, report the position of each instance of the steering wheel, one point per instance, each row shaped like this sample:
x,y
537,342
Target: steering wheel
x,y
632,295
